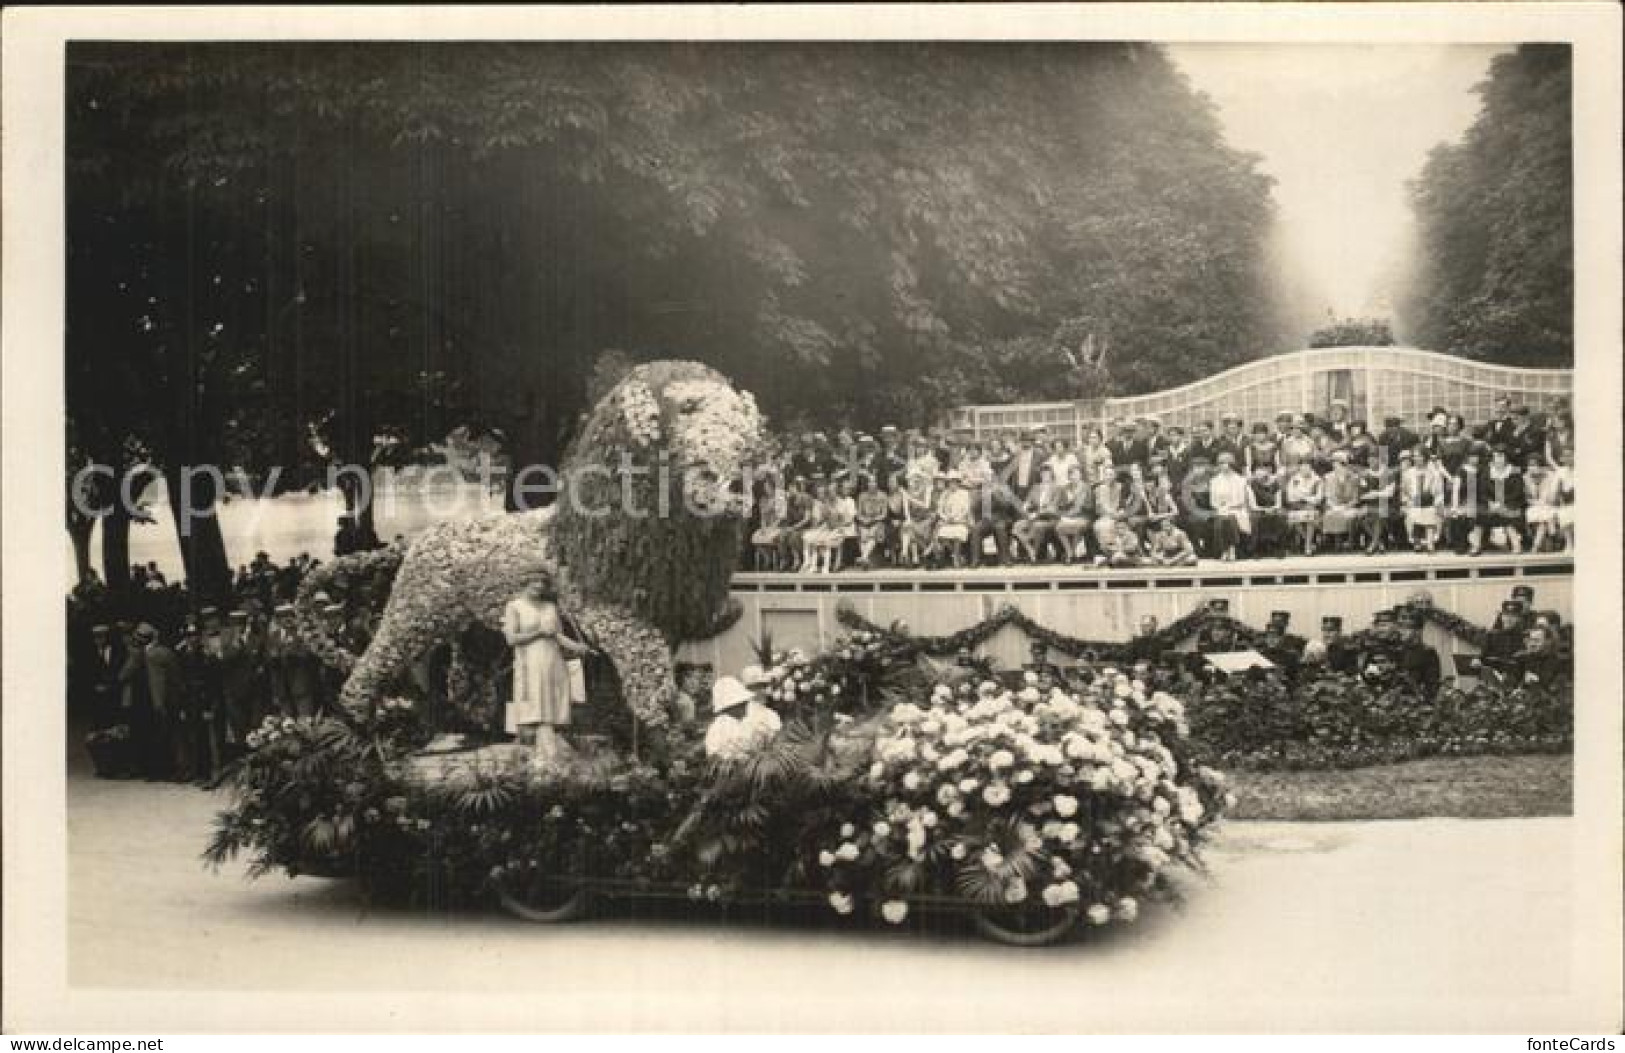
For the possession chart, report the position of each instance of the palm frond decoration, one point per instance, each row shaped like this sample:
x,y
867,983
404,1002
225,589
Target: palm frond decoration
x,y
319,835
762,648
975,882
484,798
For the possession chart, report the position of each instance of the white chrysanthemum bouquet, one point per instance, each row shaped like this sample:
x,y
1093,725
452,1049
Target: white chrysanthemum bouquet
x,y
1079,800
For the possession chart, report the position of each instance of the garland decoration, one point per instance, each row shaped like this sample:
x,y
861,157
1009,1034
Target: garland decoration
x,y
1198,621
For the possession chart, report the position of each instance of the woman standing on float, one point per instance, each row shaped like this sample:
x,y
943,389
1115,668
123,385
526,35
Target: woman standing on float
x,y
541,677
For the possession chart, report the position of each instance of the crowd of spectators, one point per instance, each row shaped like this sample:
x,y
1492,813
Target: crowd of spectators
x,y
1153,496
186,686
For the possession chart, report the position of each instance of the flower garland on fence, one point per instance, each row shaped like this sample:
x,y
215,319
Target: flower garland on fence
x,y
1168,636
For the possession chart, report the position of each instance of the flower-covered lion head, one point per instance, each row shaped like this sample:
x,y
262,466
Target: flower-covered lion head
x,y
654,494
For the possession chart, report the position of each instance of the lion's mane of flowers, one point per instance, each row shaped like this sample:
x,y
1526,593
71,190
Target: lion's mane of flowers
x,y
1074,799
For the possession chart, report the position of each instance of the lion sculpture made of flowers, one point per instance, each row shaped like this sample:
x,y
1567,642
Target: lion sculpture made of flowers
x,y
640,544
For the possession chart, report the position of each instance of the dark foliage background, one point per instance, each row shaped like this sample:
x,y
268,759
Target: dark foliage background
x,y
280,253
1493,273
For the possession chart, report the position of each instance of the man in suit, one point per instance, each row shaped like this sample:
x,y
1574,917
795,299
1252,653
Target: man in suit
x,y
1500,425
243,686
1025,465
198,707
1125,446
105,659
1204,444
165,691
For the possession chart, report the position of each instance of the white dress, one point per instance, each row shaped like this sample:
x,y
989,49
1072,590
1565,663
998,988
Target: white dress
x,y
541,678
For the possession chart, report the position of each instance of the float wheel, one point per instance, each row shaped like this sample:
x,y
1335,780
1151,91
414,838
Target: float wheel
x,y
1035,926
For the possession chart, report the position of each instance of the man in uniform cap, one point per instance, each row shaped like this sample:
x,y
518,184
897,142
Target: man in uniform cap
x,y
1524,594
1418,662
1505,638
1340,657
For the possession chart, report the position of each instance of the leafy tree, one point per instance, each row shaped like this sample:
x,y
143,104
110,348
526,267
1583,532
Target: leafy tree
x,y
280,254
1494,275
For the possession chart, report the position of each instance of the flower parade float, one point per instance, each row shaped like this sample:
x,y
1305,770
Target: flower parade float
x,y
895,785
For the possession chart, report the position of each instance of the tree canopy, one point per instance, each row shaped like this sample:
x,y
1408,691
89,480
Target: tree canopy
x,y
1494,271
279,253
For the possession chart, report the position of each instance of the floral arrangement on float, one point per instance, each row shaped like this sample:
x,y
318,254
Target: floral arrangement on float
x,y
1041,804
1085,798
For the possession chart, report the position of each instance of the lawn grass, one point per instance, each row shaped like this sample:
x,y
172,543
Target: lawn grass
x,y
1461,787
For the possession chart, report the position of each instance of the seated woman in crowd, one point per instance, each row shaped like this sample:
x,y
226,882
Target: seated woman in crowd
x,y
798,517
917,535
1266,505
772,510
1422,492
1108,516
1304,494
954,520
872,512
1379,505
1077,513
1231,523
1463,513
1343,514
843,524
1504,502
1540,490
817,537
1563,496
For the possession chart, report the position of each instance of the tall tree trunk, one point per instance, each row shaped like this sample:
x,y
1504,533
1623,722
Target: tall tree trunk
x,y
79,530
116,549
202,545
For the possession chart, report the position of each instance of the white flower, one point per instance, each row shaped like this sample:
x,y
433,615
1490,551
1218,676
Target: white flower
x,y
958,850
1023,777
997,794
894,911
847,829
1119,716
882,828
911,781
1098,914
946,794
1127,909
841,902
847,852
992,858
1121,688
955,810
907,713
1001,759
928,818
1060,868
968,785
1161,806
1066,805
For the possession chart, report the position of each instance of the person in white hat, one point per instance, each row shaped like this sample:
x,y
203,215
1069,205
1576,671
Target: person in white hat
x,y
740,724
